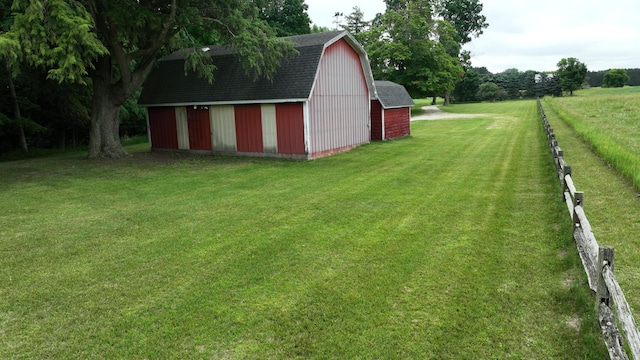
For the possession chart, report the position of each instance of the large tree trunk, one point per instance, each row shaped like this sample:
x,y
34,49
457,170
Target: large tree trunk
x,y
447,98
16,113
104,136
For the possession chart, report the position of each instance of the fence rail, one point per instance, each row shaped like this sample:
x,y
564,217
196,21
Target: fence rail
x,y
597,262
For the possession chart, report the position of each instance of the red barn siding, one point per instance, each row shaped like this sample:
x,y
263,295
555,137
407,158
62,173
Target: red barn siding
x,y
199,128
290,128
397,123
249,128
376,120
162,125
339,113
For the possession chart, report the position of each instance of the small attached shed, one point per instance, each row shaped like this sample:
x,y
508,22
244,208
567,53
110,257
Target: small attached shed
x,y
390,111
317,104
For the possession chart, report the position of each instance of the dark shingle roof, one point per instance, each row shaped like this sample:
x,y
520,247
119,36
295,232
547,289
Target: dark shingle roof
x,y
392,95
167,84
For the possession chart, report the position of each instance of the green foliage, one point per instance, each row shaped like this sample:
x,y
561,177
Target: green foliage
x,y
596,78
355,23
615,78
511,81
286,17
488,91
401,49
315,29
466,90
57,35
133,118
465,17
120,40
572,74
10,51
417,43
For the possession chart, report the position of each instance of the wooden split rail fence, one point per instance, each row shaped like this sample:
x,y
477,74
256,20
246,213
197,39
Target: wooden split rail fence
x,y
597,261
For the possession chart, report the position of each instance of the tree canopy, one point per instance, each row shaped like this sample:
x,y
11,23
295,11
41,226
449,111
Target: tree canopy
x,y
615,78
116,42
572,74
286,17
417,43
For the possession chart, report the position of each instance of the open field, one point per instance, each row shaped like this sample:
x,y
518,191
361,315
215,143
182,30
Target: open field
x,y
449,244
611,201
609,120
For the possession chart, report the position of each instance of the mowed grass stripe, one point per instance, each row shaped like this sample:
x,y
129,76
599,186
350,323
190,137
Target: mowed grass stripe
x,y
447,244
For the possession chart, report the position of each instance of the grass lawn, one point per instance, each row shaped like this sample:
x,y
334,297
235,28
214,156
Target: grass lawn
x,y
449,244
611,200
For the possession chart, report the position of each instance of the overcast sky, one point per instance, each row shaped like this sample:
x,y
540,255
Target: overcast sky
x,y
535,35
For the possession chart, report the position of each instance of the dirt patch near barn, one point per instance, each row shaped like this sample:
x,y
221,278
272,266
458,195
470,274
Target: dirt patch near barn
x,y
432,112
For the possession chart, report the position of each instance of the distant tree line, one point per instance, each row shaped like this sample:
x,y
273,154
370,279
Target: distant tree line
x,y
478,84
596,78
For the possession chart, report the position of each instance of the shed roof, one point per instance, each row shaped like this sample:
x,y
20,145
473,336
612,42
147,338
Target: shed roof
x,y
392,95
167,84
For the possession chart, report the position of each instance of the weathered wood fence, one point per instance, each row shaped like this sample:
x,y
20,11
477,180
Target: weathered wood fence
x,y
597,261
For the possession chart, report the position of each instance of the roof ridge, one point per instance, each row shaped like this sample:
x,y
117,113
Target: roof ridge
x,y
303,40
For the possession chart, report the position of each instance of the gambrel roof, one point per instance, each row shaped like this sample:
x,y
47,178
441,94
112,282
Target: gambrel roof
x,y
392,95
168,85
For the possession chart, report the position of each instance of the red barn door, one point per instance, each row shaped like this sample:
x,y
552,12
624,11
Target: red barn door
x,y
162,125
199,128
249,128
290,128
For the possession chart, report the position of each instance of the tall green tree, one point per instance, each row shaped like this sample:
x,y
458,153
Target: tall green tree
x,y
355,22
10,55
467,88
115,43
572,74
465,16
615,78
403,46
418,43
511,81
286,17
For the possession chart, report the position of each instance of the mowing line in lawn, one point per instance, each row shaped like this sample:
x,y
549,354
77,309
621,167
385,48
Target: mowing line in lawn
x,y
446,244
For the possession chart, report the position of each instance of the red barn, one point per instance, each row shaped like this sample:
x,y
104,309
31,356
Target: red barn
x,y
317,104
390,111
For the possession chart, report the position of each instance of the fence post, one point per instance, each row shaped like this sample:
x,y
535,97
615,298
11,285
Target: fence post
x,y
578,200
605,257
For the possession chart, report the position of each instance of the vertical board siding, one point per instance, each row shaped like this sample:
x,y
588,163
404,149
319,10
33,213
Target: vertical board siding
x,y
376,120
397,123
249,128
269,132
182,128
290,128
339,106
199,128
162,127
223,128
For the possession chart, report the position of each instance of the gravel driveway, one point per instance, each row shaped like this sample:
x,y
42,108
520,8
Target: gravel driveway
x,y
432,112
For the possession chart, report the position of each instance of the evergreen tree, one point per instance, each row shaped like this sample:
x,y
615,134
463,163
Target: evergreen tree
x,y
572,74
